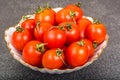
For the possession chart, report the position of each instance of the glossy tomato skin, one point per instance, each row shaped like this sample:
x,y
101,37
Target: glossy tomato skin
x,y
31,55
76,55
50,59
83,23
78,11
71,31
96,33
47,15
20,38
90,46
63,15
55,38
29,24
40,30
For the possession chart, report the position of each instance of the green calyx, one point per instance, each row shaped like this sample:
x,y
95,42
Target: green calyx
x,y
69,26
38,23
96,21
40,47
25,17
19,29
81,43
59,52
95,44
39,10
78,4
72,14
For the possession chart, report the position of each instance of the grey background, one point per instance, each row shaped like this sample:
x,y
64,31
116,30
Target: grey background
x,y
107,67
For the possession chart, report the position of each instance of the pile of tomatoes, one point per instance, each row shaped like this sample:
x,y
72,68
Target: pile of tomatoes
x,y
57,40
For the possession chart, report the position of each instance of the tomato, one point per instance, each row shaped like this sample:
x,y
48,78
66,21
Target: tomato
x,y
55,38
64,15
40,30
96,32
33,52
53,59
90,46
29,24
83,23
77,54
77,10
45,15
20,37
71,30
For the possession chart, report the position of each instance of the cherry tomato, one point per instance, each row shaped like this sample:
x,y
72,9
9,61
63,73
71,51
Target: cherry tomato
x,y
90,46
45,15
71,30
77,10
40,30
64,15
33,52
77,54
83,23
96,32
55,38
20,37
53,59
29,24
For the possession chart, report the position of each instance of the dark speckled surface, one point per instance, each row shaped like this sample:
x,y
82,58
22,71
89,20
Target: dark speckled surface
x,y
107,67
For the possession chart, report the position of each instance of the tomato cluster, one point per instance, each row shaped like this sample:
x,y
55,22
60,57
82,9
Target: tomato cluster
x,y
57,40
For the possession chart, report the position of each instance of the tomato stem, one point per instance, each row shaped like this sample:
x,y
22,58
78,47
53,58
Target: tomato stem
x,y
48,6
25,17
38,23
19,29
39,10
78,4
95,44
68,25
81,43
72,14
96,21
59,53
40,47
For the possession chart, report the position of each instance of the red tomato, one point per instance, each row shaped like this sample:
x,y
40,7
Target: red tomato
x,y
90,46
29,24
71,30
20,37
53,59
77,10
40,30
55,38
33,52
77,54
45,15
96,32
83,24
64,15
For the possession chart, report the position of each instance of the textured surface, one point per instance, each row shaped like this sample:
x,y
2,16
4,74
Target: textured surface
x,y
107,67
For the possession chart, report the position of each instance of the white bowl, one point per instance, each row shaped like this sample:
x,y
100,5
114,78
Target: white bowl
x,y
17,54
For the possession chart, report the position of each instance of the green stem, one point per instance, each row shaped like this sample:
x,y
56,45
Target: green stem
x,y
78,4
72,15
59,54
81,43
68,25
95,44
40,47
19,29
96,21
